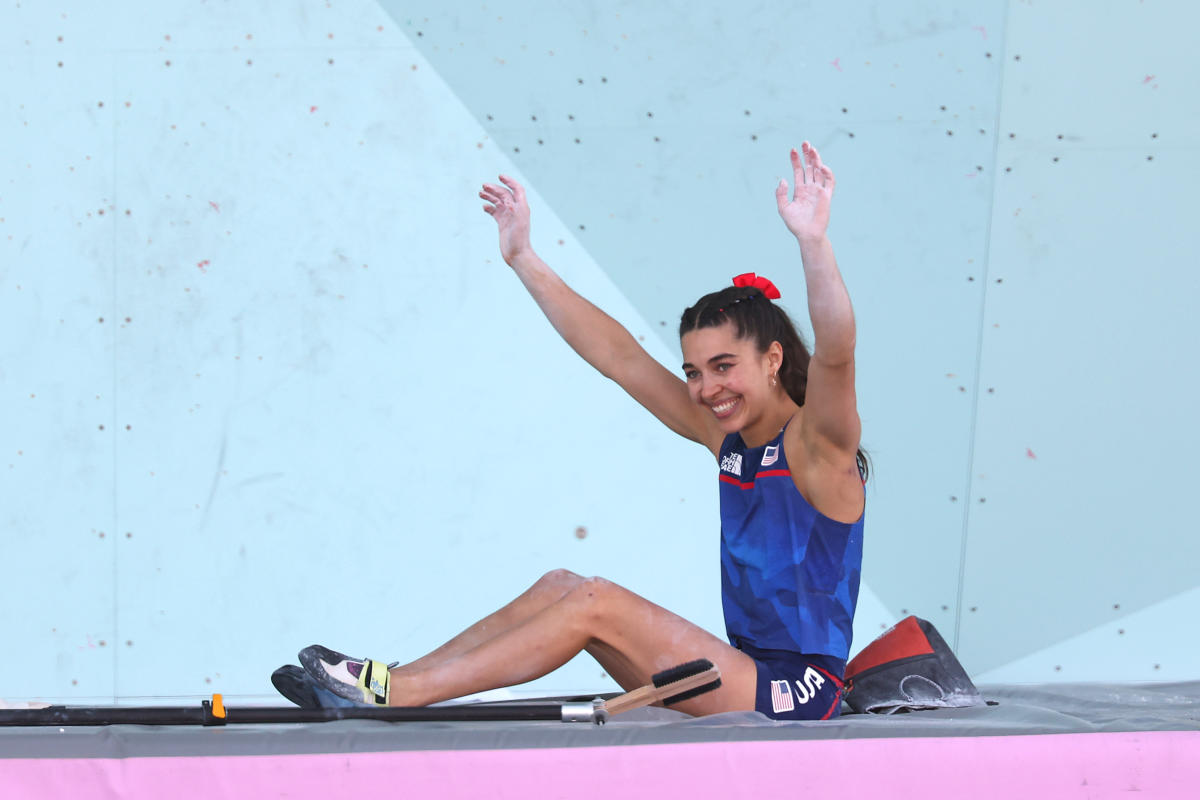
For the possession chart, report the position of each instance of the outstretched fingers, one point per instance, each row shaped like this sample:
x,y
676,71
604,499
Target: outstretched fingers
x,y
518,191
498,197
817,171
806,212
510,196
807,168
493,200
505,203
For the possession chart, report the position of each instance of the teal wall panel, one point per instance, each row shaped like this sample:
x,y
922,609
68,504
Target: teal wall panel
x,y
58,328
1084,424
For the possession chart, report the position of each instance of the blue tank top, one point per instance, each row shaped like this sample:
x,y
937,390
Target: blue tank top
x,y
789,574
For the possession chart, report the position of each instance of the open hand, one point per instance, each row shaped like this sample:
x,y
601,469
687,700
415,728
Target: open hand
x,y
807,213
508,207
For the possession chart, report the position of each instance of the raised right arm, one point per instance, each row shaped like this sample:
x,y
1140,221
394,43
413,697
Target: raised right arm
x,y
594,335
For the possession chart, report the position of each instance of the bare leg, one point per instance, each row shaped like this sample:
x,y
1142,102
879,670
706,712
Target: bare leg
x,y
549,589
631,637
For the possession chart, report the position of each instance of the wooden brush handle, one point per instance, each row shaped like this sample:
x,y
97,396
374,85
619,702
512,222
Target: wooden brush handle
x,y
650,693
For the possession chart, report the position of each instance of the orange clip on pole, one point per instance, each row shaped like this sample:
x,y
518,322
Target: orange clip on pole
x,y
218,706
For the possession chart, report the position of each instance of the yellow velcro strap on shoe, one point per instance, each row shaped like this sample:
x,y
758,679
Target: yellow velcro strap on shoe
x,y
374,682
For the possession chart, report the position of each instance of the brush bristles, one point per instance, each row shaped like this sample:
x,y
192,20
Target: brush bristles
x,y
690,693
687,670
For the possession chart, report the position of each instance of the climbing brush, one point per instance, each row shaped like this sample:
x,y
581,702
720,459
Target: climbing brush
x,y
668,687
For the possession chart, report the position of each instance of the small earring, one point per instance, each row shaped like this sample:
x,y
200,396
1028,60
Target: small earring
x,y
774,381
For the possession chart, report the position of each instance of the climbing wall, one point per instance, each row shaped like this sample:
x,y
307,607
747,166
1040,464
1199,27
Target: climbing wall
x,y
269,383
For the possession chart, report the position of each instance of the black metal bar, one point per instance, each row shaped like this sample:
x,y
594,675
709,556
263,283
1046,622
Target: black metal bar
x,y
202,714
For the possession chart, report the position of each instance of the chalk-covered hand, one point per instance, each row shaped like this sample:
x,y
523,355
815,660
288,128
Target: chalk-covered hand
x,y
508,207
806,214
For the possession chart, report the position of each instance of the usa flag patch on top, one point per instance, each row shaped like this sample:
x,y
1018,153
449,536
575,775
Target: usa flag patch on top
x,y
770,455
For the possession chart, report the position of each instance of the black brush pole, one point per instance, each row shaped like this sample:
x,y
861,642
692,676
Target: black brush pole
x,y
104,715
460,713
202,715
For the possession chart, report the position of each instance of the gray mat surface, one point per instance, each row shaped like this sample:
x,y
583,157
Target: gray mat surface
x,y
1019,709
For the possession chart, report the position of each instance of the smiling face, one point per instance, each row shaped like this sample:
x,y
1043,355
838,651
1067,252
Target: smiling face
x,y
728,376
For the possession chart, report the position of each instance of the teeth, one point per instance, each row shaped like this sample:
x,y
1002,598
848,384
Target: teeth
x,y
723,407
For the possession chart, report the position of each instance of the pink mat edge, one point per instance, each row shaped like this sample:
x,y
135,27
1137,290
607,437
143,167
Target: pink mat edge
x,y
1093,765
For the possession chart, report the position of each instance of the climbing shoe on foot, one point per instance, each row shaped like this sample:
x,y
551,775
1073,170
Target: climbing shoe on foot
x,y
362,680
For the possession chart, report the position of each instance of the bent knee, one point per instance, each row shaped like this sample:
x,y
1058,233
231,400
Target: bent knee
x,y
558,581
594,592
599,606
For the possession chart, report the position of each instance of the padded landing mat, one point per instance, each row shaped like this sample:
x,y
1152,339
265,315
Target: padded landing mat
x,y
1021,710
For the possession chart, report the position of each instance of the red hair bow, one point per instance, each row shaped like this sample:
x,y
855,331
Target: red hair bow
x,y
758,282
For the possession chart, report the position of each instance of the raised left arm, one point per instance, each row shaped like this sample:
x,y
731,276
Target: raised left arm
x,y
831,415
